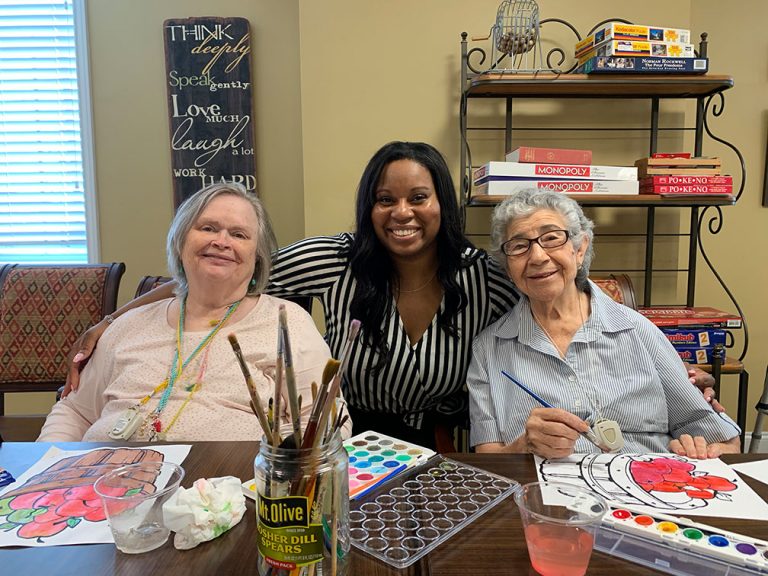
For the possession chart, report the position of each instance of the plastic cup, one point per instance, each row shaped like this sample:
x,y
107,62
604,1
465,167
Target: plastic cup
x,y
133,498
560,521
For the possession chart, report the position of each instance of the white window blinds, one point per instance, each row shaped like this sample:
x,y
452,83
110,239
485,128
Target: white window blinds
x,y
42,197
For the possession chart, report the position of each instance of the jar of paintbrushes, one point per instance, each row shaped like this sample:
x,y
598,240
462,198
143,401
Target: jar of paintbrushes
x,y
302,489
302,506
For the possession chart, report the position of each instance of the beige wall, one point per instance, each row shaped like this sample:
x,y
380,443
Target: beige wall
x,y
337,79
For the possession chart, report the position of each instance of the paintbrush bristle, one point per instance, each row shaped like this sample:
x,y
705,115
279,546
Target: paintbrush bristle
x,y
331,367
233,341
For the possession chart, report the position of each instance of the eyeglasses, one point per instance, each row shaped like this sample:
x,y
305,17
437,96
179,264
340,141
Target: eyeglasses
x,y
548,240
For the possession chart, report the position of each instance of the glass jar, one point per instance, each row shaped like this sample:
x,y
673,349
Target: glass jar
x,y
302,509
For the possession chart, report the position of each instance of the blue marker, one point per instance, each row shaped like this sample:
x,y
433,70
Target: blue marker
x,y
589,434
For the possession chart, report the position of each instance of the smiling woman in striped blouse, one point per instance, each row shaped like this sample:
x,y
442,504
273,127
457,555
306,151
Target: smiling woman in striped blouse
x,y
591,363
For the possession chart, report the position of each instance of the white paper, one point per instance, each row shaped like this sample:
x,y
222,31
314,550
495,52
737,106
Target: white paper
x,y
64,509
660,483
757,470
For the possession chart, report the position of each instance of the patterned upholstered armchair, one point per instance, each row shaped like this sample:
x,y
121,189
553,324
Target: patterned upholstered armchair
x,y
43,309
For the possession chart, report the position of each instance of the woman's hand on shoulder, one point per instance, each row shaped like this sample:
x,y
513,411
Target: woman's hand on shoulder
x,y
704,382
552,432
698,448
81,353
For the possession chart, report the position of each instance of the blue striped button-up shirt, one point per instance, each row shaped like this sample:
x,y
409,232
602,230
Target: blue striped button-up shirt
x,y
618,366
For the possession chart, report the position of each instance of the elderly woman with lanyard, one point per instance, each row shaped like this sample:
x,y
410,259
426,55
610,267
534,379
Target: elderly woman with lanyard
x,y
570,370
419,287
164,371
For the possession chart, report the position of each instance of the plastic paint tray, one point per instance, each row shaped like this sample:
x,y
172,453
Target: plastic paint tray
x,y
665,557
411,514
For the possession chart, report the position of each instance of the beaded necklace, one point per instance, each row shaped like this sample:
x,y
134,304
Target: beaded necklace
x,y
156,431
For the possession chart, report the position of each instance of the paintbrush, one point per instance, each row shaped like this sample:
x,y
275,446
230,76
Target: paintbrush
x,y
331,366
335,385
256,406
290,377
278,389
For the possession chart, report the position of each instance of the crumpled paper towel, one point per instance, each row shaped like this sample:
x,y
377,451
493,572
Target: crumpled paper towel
x,y
206,510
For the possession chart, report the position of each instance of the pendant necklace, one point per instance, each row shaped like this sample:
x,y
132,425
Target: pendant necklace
x,y
607,431
128,422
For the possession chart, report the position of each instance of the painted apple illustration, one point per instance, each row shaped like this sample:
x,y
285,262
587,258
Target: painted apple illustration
x,y
677,476
62,496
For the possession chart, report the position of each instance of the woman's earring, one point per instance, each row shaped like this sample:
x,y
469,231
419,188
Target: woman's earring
x,y
252,283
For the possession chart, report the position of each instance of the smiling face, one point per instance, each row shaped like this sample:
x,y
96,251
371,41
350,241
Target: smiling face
x,y
406,214
221,244
543,275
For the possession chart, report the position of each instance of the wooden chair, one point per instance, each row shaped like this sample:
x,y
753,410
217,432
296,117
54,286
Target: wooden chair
x,y
148,283
619,287
43,309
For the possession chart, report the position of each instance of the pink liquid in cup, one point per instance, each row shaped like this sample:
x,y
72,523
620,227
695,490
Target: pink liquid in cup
x,y
559,521
558,550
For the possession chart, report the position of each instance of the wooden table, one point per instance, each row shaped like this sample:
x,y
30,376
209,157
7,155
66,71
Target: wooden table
x,y
493,544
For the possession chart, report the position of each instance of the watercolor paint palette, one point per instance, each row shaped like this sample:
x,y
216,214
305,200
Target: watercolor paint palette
x,y
679,546
375,457
411,514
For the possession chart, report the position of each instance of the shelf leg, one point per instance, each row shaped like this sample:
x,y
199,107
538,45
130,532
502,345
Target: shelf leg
x,y
654,125
649,233
693,250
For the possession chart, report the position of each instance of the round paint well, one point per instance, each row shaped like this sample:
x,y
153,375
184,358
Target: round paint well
x,y
621,514
374,448
388,453
644,520
376,458
693,534
349,448
371,438
402,457
364,476
363,464
667,527
359,443
352,471
391,464
718,541
360,454
747,549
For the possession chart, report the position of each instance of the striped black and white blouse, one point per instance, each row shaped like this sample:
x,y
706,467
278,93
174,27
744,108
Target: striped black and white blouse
x,y
426,377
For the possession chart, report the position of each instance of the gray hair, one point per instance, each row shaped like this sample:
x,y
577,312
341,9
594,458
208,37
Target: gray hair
x,y
190,211
525,203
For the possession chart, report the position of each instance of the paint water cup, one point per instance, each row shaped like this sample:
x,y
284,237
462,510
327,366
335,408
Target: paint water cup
x,y
560,522
133,498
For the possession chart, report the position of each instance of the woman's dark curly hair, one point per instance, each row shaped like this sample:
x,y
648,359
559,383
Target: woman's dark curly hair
x,y
371,265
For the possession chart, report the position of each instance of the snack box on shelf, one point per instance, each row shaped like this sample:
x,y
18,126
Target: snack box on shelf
x,y
643,65
685,180
688,190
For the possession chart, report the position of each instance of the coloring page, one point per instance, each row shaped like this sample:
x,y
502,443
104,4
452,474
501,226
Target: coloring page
x,y
660,483
53,503
757,470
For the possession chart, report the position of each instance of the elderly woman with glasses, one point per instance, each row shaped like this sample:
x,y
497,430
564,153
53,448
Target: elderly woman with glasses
x,y
570,370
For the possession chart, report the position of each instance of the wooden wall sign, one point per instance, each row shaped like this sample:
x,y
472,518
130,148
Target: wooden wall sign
x,y
208,74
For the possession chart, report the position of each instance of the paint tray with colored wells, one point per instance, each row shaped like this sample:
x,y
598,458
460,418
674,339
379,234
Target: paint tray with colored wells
x,y
679,546
375,457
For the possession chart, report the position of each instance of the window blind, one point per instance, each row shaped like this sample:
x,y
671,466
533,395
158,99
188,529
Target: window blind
x,y
42,198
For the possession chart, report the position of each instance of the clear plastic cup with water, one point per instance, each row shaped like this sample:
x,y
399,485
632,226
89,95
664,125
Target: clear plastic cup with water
x,y
560,522
133,498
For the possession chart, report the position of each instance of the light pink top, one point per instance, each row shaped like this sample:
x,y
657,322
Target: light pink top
x,y
134,356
